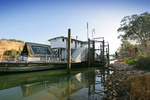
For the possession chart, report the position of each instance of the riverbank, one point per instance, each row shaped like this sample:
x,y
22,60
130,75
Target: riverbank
x,y
126,83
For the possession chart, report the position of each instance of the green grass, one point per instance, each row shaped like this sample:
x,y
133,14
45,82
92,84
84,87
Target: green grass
x,y
131,61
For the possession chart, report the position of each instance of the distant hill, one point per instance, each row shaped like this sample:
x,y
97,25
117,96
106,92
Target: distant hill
x,y
10,44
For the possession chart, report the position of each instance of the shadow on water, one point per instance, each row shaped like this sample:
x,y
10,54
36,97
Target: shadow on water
x,y
81,84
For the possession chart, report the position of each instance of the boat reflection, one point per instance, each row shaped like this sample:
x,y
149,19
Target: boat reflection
x,y
81,85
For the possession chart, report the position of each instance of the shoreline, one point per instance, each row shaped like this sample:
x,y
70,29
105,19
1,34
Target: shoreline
x,y
117,84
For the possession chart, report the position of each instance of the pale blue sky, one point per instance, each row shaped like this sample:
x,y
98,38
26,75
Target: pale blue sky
x,y
39,20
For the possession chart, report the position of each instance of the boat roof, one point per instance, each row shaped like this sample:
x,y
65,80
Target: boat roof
x,y
67,38
32,48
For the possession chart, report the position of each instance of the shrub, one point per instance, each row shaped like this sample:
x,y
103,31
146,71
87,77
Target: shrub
x,y
14,40
131,61
141,63
12,52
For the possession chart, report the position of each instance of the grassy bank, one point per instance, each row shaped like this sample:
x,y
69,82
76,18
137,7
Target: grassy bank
x,y
138,85
131,80
141,62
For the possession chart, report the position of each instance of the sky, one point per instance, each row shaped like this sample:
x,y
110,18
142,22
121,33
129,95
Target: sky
x,y
39,20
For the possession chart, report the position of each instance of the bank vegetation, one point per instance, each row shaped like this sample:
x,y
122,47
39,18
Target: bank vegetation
x,y
135,31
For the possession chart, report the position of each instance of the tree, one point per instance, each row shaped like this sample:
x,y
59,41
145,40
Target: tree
x,y
136,27
12,53
126,45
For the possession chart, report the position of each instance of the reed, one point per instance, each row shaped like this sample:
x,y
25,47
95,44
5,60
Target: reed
x,y
139,87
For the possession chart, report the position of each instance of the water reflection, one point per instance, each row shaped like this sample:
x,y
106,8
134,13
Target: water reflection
x,y
54,85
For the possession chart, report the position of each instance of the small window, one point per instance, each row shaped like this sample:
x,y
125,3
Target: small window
x,y
63,39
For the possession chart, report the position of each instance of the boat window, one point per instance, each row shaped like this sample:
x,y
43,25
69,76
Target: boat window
x,y
63,39
60,51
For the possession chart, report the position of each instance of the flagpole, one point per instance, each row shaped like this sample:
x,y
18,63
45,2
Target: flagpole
x,y
93,31
87,31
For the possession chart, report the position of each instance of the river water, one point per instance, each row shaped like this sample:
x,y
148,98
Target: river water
x,y
81,84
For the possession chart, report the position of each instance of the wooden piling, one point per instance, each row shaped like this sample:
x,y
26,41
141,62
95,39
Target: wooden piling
x,y
103,52
89,62
93,52
108,56
69,52
68,88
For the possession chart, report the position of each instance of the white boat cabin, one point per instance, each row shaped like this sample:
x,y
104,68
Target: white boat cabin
x,y
60,47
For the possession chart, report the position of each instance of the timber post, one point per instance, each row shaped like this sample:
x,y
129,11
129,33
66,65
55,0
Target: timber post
x,y
93,51
68,87
108,55
89,63
69,52
103,52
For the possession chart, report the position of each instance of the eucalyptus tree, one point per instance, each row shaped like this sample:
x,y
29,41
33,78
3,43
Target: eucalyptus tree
x,y
136,27
126,45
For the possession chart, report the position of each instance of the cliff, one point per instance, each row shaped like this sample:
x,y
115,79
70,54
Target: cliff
x,y
6,45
